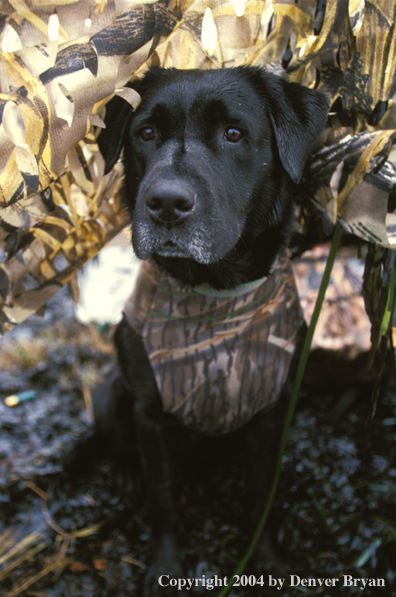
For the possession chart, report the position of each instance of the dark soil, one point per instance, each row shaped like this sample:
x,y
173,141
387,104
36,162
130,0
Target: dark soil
x,y
90,537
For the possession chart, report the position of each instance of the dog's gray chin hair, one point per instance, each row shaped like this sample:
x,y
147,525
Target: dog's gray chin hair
x,y
199,256
200,253
196,248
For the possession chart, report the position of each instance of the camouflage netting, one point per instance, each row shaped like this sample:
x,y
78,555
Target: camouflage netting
x,y
61,61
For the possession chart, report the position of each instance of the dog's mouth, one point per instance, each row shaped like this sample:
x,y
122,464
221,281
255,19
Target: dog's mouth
x,y
171,249
198,243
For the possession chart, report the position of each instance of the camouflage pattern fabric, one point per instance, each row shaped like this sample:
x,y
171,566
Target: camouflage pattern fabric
x,y
218,357
61,61
343,325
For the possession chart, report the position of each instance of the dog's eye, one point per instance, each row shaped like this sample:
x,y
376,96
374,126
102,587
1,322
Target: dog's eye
x,y
147,134
232,134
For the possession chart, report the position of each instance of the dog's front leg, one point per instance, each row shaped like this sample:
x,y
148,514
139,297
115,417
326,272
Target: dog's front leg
x,y
262,445
150,430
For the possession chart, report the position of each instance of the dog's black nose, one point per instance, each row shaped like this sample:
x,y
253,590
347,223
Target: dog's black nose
x,y
170,202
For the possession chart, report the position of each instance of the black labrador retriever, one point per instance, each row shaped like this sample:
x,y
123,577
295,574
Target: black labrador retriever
x,y
212,164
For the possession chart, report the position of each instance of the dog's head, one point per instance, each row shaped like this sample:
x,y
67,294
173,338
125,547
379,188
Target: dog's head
x,y
211,162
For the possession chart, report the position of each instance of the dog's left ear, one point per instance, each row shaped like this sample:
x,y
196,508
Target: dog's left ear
x,y
111,139
298,115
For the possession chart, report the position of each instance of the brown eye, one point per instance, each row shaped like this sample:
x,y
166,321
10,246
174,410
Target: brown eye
x,y
147,134
232,134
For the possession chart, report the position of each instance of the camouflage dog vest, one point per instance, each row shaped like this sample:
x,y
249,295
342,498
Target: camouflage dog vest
x,y
218,357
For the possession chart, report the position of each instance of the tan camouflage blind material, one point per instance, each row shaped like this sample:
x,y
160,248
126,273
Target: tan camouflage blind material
x,y
61,61
218,357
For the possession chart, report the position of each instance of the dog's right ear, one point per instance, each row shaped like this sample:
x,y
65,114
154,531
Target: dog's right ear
x,y
298,116
111,139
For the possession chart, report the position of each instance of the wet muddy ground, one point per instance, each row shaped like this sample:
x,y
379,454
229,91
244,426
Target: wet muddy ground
x,y
86,537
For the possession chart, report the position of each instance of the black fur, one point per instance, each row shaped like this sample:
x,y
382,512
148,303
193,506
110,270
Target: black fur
x,y
212,164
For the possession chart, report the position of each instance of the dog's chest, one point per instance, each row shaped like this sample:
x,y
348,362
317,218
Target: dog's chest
x,y
218,358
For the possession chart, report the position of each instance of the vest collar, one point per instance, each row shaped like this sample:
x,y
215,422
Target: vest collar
x,y
208,290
